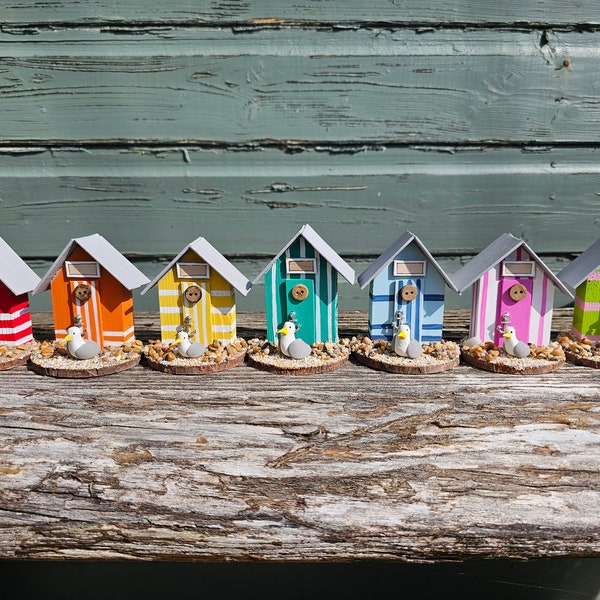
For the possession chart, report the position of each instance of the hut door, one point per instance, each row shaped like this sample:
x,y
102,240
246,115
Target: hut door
x,y
409,300
300,299
196,304
86,305
515,294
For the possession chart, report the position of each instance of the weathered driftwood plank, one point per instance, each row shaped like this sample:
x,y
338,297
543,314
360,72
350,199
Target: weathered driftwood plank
x,y
370,85
274,12
353,464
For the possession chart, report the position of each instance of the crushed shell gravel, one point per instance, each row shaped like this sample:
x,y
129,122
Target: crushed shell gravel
x,y
380,350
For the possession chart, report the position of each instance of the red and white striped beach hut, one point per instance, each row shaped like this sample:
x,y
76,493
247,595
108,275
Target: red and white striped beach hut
x,y
16,281
511,286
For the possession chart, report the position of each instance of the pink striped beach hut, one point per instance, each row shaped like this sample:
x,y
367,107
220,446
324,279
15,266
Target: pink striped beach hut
x,y
511,286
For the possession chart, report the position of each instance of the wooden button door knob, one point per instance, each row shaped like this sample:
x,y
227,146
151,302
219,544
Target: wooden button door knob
x,y
409,292
300,292
517,292
83,292
193,293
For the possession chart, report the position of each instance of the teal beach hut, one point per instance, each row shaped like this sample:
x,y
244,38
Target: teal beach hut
x,y
408,284
301,284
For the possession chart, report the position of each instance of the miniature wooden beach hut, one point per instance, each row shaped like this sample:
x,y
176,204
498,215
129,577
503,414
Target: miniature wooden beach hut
x,y
199,284
92,281
408,279
16,281
301,284
511,287
583,274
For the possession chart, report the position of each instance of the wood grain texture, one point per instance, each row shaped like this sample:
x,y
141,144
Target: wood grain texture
x,y
351,464
277,12
150,202
368,85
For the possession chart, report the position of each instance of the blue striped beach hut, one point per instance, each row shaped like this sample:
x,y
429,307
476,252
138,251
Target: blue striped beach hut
x,y
301,284
406,277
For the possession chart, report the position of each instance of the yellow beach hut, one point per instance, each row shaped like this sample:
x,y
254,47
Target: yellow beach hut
x,y
199,286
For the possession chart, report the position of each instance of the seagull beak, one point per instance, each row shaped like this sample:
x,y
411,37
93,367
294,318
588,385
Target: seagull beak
x,y
402,335
283,330
177,341
66,339
507,335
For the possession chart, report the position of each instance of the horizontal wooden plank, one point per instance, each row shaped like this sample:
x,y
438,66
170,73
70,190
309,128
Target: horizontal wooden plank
x,y
314,11
352,464
150,202
370,85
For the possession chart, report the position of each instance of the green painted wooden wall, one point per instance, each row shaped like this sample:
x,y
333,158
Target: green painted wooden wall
x,y
155,122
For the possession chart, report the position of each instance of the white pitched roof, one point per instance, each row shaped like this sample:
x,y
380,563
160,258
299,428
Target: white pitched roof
x,y
207,252
104,253
16,275
322,247
391,252
577,271
490,256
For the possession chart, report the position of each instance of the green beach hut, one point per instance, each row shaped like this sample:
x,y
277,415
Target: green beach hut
x,y
301,284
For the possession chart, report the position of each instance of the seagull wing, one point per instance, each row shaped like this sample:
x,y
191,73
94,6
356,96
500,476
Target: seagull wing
x,y
298,349
85,351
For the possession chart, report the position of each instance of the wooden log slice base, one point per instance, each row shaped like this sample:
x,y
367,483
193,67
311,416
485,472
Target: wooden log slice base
x,y
420,366
49,367
177,367
11,363
512,365
289,366
593,362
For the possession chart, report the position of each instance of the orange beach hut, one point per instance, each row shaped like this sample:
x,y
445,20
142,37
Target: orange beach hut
x,y
91,280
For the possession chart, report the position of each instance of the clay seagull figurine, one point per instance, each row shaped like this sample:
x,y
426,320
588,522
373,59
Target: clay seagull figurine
x,y
187,348
291,346
77,346
512,345
402,344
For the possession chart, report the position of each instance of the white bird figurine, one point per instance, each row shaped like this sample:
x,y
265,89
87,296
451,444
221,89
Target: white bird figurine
x,y
290,345
512,345
404,346
187,348
77,346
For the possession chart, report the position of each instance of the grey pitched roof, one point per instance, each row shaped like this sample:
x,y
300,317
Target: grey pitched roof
x,y
577,271
490,256
322,247
207,252
104,253
391,252
16,275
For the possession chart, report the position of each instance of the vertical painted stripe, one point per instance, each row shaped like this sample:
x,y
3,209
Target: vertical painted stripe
x,y
418,310
536,301
96,311
543,316
318,299
484,303
77,304
302,253
203,315
407,307
396,303
330,306
274,310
